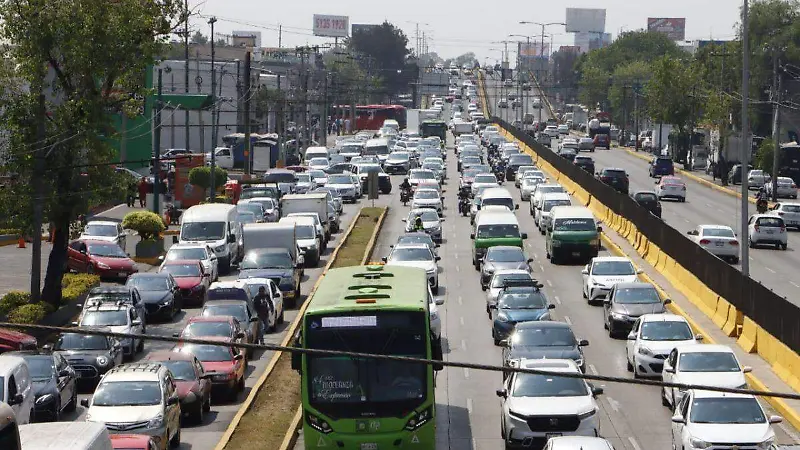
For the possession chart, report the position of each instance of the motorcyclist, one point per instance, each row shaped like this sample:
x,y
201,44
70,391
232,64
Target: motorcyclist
x,y
464,192
263,306
405,185
762,194
418,226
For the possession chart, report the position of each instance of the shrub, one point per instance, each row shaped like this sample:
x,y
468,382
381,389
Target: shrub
x,y
201,177
147,224
12,231
75,285
12,300
30,313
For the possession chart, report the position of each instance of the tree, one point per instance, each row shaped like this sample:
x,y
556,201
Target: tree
x,y
199,38
764,155
594,86
221,43
383,51
467,59
624,81
92,61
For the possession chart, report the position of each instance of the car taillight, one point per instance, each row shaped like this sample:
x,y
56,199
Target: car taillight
x,y
783,228
734,243
780,213
757,228
704,242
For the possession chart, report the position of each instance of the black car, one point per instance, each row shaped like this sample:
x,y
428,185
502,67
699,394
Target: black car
x,y
626,302
661,166
159,292
277,264
568,153
649,201
616,178
54,384
515,162
584,162
91,356
735,174
544,340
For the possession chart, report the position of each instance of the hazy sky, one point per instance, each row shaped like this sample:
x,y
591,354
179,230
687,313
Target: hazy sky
x,y
455,27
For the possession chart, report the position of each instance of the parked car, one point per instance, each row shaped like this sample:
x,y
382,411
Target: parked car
x,y
106,259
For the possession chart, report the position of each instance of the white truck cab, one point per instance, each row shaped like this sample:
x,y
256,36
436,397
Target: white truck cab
x,y
217,225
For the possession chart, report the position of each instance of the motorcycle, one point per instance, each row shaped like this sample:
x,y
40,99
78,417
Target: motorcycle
x,y
761,205
463,206
405,196
173,214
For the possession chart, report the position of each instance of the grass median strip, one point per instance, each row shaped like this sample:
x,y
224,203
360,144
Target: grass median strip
x,y
265,424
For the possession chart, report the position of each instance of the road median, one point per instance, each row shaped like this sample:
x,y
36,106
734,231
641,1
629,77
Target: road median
x,y
269,416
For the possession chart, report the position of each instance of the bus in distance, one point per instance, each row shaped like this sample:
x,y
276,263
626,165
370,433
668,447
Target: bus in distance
x,y
362,403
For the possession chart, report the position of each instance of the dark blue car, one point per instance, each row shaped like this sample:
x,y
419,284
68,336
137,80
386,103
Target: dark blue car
x,y
516,304
661,166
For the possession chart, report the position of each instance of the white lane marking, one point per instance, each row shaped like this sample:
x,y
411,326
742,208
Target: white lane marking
x,y
541,268
709,205
455,245
568,320
769,269
789,432
549,283
460,301
686,220
455,255
464,345
458,269
634,443
613,403
461,320
466,372
558,300
795,284
469,405
592,369
535,255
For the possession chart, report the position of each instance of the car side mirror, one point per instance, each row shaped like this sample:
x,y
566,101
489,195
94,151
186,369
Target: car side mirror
x,y
472,235
551,306
238,357
47,347
437,245
655,182
404,220
240,335
747,369
85,402
599,229
775,419
74,324
669,369
516,206
632,336
502,393
438,258
639,271
384,259
677,418
607,299
160,258
667,301
136,322
699,337
492,306
524,235
63,373
530,260
439,301
585,271
176,335
597,391
441,220
173,400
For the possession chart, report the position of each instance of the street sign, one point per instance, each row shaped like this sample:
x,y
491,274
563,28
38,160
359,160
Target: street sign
x,y
372,185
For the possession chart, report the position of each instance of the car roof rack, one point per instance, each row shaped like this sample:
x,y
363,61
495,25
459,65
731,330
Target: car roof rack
x,y
512,283
152,367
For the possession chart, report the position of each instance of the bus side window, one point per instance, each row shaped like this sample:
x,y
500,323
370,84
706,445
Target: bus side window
x,y
297,358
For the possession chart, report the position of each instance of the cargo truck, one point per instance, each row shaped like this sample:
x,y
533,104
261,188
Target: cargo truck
x,y
315,202
412,120
274,238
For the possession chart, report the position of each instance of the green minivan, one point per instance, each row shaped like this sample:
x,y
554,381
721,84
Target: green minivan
x,y
572,233
494,228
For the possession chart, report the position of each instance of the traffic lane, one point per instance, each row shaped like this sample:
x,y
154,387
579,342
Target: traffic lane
x,y
496,91
206,435
708,206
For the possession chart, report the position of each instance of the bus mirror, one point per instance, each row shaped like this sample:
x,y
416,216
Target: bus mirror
x,y
297,362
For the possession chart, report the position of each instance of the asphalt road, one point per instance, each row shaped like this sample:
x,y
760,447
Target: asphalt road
x,y
206,436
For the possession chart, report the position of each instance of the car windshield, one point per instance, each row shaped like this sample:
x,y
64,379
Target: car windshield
x,y
303,178
258,192
718,232
127,393
520,160
318,174
398,156
500,279
423,175
574,225
186,254
637,295
208,353
367,168
202,231
181,370
106,250
207,329
72,341
41,367
606,268
305,231
237,311
425,215
543,189
245,217
726,410
340,179
505,255
529,385
485,179
708,362
277,260
550,204
666,331
543,337
646,197
521,298
182,270
426,194
95,229
411,254
614,173
105,318
498,231
433,166
508,202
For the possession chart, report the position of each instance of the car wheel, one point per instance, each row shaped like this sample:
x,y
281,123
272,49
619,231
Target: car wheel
x,y
664,401
783,246
240,385
175,442
280,317
199,414
90,269
750,243
628,364
57,412
207,404
584,294
140,346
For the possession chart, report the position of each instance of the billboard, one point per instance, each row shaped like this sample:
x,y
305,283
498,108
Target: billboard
x,y
586,20
706,43
673,27
361,28
434,83
534,50
569,49
331,26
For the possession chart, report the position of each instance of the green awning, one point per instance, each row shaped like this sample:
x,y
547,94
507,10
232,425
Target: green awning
x,y
191,102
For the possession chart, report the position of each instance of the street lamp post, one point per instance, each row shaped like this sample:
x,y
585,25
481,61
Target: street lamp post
x,y
543,25
214,118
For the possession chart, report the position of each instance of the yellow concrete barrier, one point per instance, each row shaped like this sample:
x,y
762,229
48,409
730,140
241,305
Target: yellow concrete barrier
x,y
720,317
734,324
748,340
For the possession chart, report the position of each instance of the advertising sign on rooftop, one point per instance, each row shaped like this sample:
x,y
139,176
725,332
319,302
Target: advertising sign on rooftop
x,y
586,20
673,27
331,26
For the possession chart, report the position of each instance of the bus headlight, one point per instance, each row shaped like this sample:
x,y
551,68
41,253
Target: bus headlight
x,y
419,419
318,424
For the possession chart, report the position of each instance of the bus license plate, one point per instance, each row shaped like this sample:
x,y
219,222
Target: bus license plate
x,y
576,254
369,446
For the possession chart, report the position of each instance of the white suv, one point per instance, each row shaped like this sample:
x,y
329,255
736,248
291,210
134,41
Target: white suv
x,y
119,319
138,398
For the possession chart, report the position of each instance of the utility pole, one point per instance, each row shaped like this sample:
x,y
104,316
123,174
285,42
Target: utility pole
x,y
746,145
239,97
624,110
280,35
186,68
636,115
38,202
214,119
157,147
777,86
323,123
247,143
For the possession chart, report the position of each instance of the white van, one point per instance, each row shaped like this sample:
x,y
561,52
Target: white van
x,y
215,224
65,435
391,123
306,237
16,386
377,147
9,430
497,196
316,152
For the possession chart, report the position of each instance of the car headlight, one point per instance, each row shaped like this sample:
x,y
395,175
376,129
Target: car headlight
x,y
699,443
430,271
191,397
220,248
44,399
103,361
103,265
579,362
593,242
587,414
156,422
645,351
166,301
286,280
618,316
765,445
419,419
502,318
556,243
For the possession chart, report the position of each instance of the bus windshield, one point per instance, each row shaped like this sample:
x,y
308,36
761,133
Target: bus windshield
x,y
352,387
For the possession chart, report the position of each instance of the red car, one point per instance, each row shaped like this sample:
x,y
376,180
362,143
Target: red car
x,y
105,259
12,340
602,140
224,364
200,327
191,381
133,442
192,279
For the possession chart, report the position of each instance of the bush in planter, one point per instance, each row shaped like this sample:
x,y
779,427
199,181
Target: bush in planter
x,y
76,284
13,300
148,224
201,177
30,313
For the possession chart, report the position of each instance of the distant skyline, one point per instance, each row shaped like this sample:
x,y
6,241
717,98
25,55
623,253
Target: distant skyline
x,y
456,28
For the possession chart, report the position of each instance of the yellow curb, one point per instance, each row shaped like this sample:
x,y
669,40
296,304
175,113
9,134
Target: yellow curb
x,y
290,332
170,232
371,244
291,434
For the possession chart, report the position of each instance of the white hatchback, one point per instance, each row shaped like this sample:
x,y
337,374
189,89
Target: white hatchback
x,y
789,212
766,229
671,187
719,240
651,339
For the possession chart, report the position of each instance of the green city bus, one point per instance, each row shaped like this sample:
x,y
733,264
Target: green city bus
x,y
433,128
363,403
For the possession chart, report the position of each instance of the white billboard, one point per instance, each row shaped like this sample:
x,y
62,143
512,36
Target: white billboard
x,y
586,20
434,83
331,26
